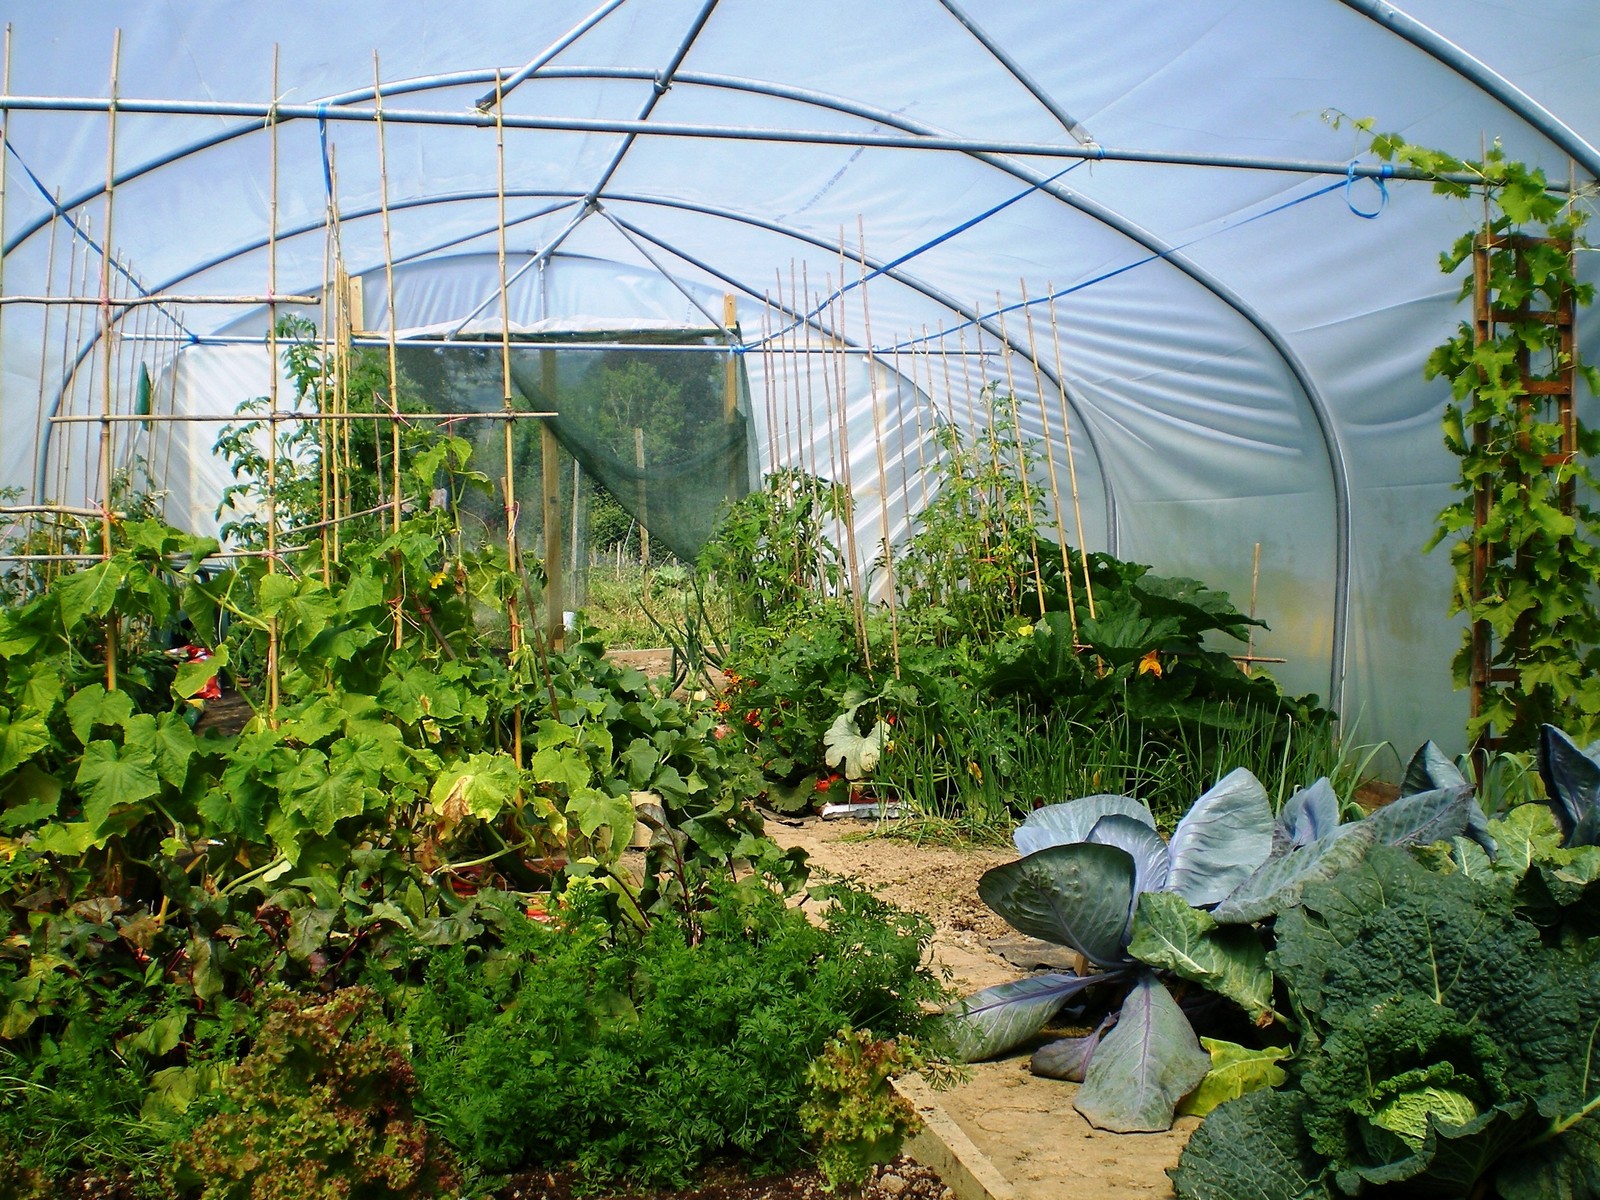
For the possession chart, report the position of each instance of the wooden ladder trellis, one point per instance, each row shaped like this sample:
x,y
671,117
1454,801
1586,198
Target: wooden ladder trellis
x,y
1554,388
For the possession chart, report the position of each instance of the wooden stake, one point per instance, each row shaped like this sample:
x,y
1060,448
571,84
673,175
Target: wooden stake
x,y
1255,583
640,501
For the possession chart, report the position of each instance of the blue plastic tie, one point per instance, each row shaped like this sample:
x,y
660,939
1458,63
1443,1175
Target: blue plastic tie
x,y
327,165
1383,190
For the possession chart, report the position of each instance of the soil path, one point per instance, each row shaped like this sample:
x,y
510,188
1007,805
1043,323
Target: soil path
x,y
1025,1125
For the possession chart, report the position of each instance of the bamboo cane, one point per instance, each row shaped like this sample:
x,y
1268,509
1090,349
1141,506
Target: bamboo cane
x,y
770,384
509,488
883,470
786,364
339,460
1072,462
44,340
105,347
900,427
84,317
1022,454
848,497
274,646
393,329
1050,460
327,330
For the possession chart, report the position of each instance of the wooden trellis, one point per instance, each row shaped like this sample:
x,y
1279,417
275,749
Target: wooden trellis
x,y
1555,388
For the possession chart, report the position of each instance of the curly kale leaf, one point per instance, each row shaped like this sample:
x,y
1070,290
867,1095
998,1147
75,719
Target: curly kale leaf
x,y
1253,1148
1447,1041
1391,928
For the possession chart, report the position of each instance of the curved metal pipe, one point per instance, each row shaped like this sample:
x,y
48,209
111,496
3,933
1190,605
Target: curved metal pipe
x,y
1478,73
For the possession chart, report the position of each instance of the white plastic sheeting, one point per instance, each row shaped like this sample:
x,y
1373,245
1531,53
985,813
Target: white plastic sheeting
x,y
1239,347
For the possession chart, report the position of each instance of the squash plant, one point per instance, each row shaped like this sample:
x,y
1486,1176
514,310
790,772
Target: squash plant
x,y
327,831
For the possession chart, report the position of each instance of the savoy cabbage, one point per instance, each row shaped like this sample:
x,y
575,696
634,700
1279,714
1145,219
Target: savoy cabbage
x,y
1447,1050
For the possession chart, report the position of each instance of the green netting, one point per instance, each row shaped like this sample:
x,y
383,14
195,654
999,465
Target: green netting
x,y
653,428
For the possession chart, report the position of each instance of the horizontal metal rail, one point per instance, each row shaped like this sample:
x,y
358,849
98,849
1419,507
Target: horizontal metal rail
x,y
289,414
748,133
135,301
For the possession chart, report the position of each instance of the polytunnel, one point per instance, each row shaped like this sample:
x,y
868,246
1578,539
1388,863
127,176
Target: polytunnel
x,y
1210,302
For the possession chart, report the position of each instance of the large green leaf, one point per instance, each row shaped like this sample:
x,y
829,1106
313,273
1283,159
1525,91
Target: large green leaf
x,y
847,747
174,744
331,797
1222,839
1001,1018
192,676
43,688
1253,1148
1170,935
1278,884
1078,895
594,810
563,765
111,777
21,737
93,706
1568,1166
1119,634
91,592
1148,1063
481,786
1235,1070
31,795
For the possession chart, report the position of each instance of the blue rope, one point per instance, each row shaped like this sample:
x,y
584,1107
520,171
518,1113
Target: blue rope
x,y
67,218
913,253
1383,190
1122,270
327,163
